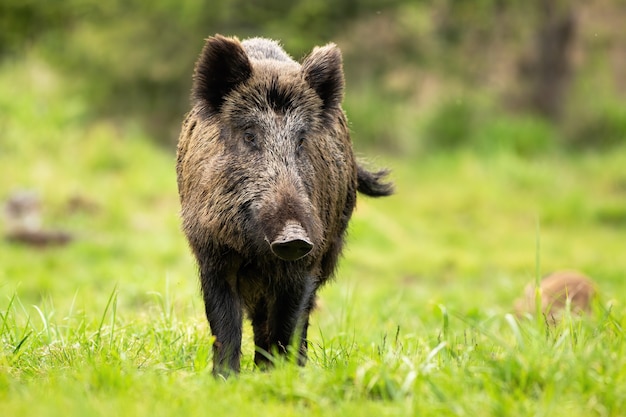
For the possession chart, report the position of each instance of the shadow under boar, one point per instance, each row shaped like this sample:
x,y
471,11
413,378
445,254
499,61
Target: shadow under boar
x,y
267,181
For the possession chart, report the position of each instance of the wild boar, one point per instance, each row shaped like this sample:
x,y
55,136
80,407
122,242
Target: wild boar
x,y
267,181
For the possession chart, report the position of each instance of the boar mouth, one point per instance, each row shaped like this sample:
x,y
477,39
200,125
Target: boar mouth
x,y
292,243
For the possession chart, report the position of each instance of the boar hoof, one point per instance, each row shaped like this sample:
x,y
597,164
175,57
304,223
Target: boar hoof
x,y
292,243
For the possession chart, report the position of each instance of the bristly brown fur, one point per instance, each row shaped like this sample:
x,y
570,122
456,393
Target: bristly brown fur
x,y
266,148
222,67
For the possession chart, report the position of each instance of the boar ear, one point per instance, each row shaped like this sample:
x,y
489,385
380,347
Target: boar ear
x,y
222,66
323,70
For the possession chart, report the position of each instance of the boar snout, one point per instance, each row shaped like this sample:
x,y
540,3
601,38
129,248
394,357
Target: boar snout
x,y
292,242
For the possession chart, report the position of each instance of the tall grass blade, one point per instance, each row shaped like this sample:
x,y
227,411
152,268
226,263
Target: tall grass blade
x,y
112,299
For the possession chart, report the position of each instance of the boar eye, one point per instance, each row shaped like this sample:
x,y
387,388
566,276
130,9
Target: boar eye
x,y
300,141
249,137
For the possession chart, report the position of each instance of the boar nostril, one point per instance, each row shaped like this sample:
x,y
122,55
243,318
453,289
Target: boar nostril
x,y
292,242
291,250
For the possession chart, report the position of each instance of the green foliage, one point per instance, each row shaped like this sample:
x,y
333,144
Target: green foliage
x,y
134,59
451,126
23,22
469,124
522,135
602,127
376,120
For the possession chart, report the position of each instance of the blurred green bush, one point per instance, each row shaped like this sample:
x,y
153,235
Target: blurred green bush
x,y
407,63
472,125
602,127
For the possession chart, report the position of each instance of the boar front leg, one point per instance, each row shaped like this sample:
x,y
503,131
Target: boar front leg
x,y
289,318
304,343
224,312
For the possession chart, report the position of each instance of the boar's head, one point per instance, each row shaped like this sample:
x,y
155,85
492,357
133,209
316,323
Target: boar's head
x,y
267,163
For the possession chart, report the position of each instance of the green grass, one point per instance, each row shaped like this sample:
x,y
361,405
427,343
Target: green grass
x,y
417,323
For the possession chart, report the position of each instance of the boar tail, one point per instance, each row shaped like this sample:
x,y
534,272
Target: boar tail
x,y
370,183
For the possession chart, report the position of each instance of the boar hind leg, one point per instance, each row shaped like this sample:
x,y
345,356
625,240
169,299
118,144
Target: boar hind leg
x,y
224,312
261,335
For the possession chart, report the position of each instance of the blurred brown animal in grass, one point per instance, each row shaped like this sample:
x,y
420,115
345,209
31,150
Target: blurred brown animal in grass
x,y
556,290
23,222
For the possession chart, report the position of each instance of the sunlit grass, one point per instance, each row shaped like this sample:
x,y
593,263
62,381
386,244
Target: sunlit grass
x,y
486,364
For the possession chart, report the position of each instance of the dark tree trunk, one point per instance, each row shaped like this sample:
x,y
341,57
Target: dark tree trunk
x,y
548,71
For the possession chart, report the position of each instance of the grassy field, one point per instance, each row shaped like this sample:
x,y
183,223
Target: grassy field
x,y
417,322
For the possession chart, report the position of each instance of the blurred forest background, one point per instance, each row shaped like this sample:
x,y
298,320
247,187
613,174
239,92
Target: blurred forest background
x,y
526,76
